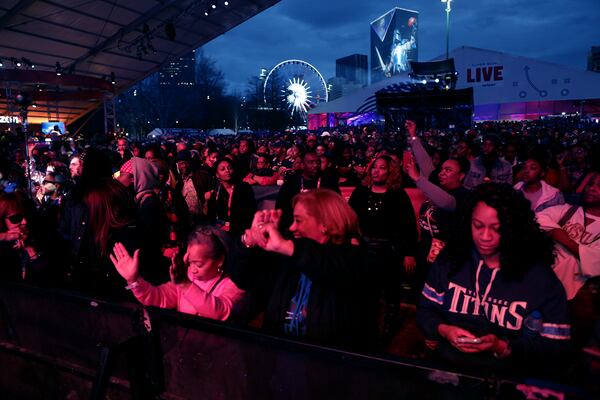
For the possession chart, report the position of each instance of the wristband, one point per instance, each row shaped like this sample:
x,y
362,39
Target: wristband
x,y
132,285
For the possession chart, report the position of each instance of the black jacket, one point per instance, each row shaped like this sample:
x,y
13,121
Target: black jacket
x,y
243,207
341,308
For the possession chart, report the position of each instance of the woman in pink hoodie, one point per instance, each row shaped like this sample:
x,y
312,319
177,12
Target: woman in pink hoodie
x,y
203,290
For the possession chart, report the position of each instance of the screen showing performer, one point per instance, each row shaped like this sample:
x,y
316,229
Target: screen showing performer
x,y
393,43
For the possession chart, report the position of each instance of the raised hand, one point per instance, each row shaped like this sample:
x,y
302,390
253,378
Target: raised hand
x,y
178,270
411,170
275,242
128,267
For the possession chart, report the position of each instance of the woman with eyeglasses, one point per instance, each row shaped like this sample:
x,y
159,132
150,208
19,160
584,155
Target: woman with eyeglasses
x,y
199,284
22,254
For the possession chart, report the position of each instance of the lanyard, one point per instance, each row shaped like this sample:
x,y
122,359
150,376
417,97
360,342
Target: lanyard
x,y
302,184
489,285
229,201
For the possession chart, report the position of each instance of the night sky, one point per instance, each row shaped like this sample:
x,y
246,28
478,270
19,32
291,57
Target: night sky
x,y
319,31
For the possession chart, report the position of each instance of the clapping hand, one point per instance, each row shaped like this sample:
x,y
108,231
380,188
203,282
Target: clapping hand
x,y
265,232
258,234
178,270
127,266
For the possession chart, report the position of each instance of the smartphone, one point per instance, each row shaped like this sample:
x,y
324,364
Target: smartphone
x,y
406,157
467,340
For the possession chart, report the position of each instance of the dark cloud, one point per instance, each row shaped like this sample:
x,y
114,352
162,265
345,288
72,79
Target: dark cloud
x,y
319,31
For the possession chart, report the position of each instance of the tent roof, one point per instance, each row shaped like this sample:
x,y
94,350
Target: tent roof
x,y
359,101
92,39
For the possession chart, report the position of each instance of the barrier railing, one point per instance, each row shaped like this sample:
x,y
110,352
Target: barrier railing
x,y
57,344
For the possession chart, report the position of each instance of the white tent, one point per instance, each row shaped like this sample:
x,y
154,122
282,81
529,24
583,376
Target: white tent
x,y
156,133
513,87
504,87
221,132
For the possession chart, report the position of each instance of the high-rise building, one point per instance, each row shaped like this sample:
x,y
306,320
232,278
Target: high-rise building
x,y
353,68
594,59
180,72
351,73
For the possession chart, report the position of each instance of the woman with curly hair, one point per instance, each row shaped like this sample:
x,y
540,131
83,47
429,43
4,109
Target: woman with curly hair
x,y
389,232
491,298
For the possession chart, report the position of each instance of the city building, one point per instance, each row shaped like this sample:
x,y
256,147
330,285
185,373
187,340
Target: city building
x,y
351,73
354,68
180,72
594,59
340,86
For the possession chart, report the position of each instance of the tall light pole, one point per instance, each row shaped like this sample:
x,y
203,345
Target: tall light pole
x,y
448,9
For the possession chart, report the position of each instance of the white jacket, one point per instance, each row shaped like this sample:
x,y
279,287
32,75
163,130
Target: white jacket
x,y
551,196
571,271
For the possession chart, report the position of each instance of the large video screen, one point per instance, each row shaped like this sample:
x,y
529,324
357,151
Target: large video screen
x,y
58,128
393,43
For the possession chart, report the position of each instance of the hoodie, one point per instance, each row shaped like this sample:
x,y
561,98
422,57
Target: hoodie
x,y
454,299
549,197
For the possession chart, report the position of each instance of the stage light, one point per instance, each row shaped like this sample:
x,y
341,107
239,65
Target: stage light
x,y
34,105
58,69
424,81
213,6
112,78
226,3
206,13
437,80
1,63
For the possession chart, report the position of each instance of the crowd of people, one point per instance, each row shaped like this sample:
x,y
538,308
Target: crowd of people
x,y
493,233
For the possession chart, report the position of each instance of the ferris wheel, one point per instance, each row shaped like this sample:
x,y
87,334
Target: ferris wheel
x,y
295,84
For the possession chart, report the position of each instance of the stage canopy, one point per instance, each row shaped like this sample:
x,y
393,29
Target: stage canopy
x,y
92,42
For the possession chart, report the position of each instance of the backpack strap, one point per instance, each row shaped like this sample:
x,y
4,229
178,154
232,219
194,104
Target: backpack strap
x,y
567,215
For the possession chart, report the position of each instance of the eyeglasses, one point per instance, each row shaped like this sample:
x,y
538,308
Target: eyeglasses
x,y
16,218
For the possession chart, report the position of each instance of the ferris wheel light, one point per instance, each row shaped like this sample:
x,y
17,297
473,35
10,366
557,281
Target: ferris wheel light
x,y
296,84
